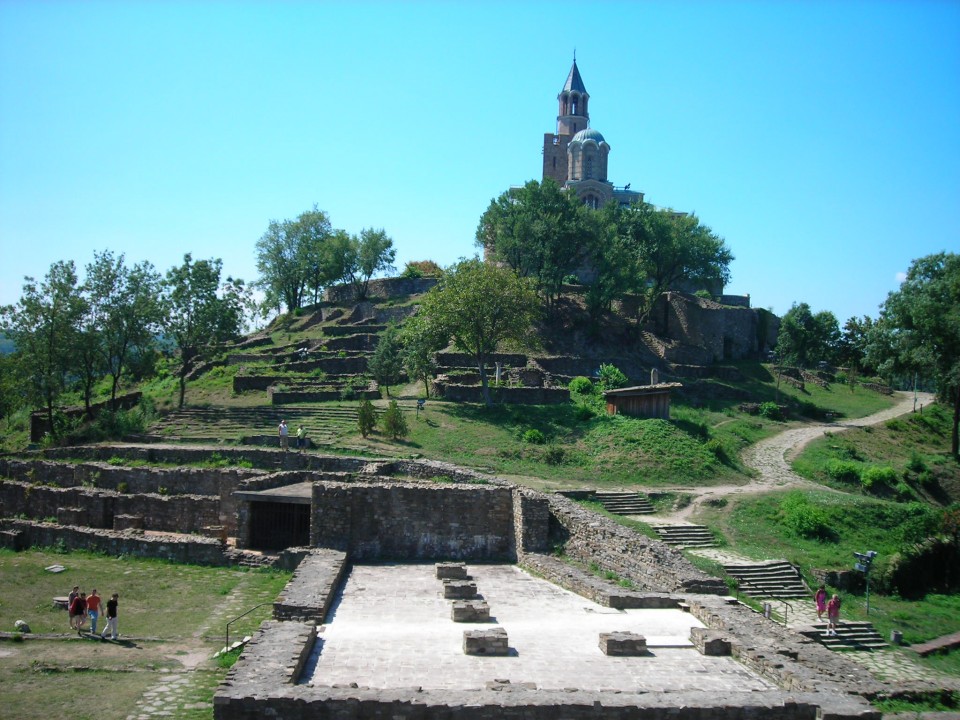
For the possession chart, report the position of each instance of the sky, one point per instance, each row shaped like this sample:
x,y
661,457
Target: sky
x,y
820,139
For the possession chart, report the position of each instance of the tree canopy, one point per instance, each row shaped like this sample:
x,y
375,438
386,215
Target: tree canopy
x,y
292,256
480,306
807,337
918,330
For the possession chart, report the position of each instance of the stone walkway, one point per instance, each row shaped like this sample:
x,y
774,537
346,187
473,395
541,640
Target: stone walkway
x,y
175,689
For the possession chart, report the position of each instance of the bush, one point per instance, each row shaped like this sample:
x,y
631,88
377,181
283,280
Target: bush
x,y
804,518
916,463
394,424
366,417
878,475
554,455
580,386
771,411
584,413
843,470
534,437
611,377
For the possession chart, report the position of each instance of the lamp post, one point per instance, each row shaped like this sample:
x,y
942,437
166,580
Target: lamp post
x,y
865,561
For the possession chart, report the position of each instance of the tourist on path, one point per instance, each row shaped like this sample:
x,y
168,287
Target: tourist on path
x,y
833,615
284,432
70,598
111,628
78,611
93,610
820,597
301,438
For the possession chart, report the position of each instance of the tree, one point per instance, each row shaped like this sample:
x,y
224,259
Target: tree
x,y
806,337
852,345
373,252
422,340
366,417
386,362
919,329
481,306
671,249
541,231
124,313
394,423
44,327
292,257
421,269
201,312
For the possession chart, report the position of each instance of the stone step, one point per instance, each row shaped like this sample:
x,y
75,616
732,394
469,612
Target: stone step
x,y
773,579
625,503
686,535
850,636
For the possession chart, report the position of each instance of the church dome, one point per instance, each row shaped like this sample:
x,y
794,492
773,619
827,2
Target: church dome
x,y
588,134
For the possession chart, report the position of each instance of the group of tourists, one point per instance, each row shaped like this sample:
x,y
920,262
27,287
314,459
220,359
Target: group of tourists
x,y
82,607
284,432
831,607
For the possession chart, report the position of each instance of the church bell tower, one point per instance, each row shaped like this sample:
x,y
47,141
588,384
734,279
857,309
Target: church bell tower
x,y
572,117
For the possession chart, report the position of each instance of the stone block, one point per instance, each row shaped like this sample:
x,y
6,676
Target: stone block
x,y
128,522
12,540
485,642
470,611
451,571
710,642
72,516
623,644
459,589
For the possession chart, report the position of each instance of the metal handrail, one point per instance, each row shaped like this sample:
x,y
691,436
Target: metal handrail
x,y
226,644
765,594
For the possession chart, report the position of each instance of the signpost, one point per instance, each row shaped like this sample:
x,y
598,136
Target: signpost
x,y
865,561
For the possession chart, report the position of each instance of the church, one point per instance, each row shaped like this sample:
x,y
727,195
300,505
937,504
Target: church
x,y
576,155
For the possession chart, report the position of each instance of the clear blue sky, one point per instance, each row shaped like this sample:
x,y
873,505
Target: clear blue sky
x,y
820,139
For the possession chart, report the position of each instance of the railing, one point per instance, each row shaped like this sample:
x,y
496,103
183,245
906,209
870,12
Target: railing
x,y
226,643
765,594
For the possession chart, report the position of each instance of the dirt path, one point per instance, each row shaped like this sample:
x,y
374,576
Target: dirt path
x,y
770,458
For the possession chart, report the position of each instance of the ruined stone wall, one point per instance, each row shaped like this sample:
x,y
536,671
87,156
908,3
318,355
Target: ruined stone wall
x,y
650,565
182,549
509,395
381,289
414,522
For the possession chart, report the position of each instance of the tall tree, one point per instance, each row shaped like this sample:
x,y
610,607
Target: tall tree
x,y
540,231
373,253
481,306
291,257
44,326
806,337
125,313
422,340
852,346
201,312
919,329
386,362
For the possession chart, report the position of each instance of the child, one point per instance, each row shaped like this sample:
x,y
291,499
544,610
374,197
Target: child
x,y
820,598
833,615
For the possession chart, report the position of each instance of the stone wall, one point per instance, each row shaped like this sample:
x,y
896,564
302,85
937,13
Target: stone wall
x,y
381,289
414,522
507,395
310,592
650,565
182,549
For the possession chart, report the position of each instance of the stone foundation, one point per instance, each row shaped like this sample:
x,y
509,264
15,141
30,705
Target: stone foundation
x,y
459,589
470,611
451,571
486,642
623,644
710,642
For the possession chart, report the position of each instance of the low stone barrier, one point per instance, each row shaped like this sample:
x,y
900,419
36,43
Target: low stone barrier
x,y
310,592
506,395
623,644
470,611
486,642
710,642
459,589
451,571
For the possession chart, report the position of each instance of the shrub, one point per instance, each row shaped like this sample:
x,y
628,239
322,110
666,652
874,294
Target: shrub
x,y
611,377
122,488
534,437
771,411
716,447
554,455
878,475
366,417
843,470
916,463
840,377
804,518
394,424
580,386
584,413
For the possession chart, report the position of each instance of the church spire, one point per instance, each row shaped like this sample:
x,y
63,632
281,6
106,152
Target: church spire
x,y
572,115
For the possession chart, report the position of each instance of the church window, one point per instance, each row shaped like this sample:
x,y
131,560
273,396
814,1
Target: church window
x,y
588,173
554,162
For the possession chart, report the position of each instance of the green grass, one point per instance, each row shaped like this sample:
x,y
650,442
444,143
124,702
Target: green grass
x,y
174,611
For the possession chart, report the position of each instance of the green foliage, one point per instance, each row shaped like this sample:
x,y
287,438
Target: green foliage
x,y
771,411
875,475
421,269
804,518
580,386
228,659
393,422
366,417
611,377
806,337
386,362
845,471
534,437
422,339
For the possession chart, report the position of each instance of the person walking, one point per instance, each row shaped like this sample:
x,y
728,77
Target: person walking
x,y
301,438
820,598
93,610
70,598
284,432
833,615
111,628
78,611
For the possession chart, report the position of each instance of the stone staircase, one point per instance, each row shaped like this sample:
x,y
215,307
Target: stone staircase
x,y
777,579
625,503
325,423
850,636
686,535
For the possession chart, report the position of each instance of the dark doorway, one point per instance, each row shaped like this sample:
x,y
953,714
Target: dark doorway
x,y
275,526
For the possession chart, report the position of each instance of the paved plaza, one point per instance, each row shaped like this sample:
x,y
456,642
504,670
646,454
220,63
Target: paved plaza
x,y
391,628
